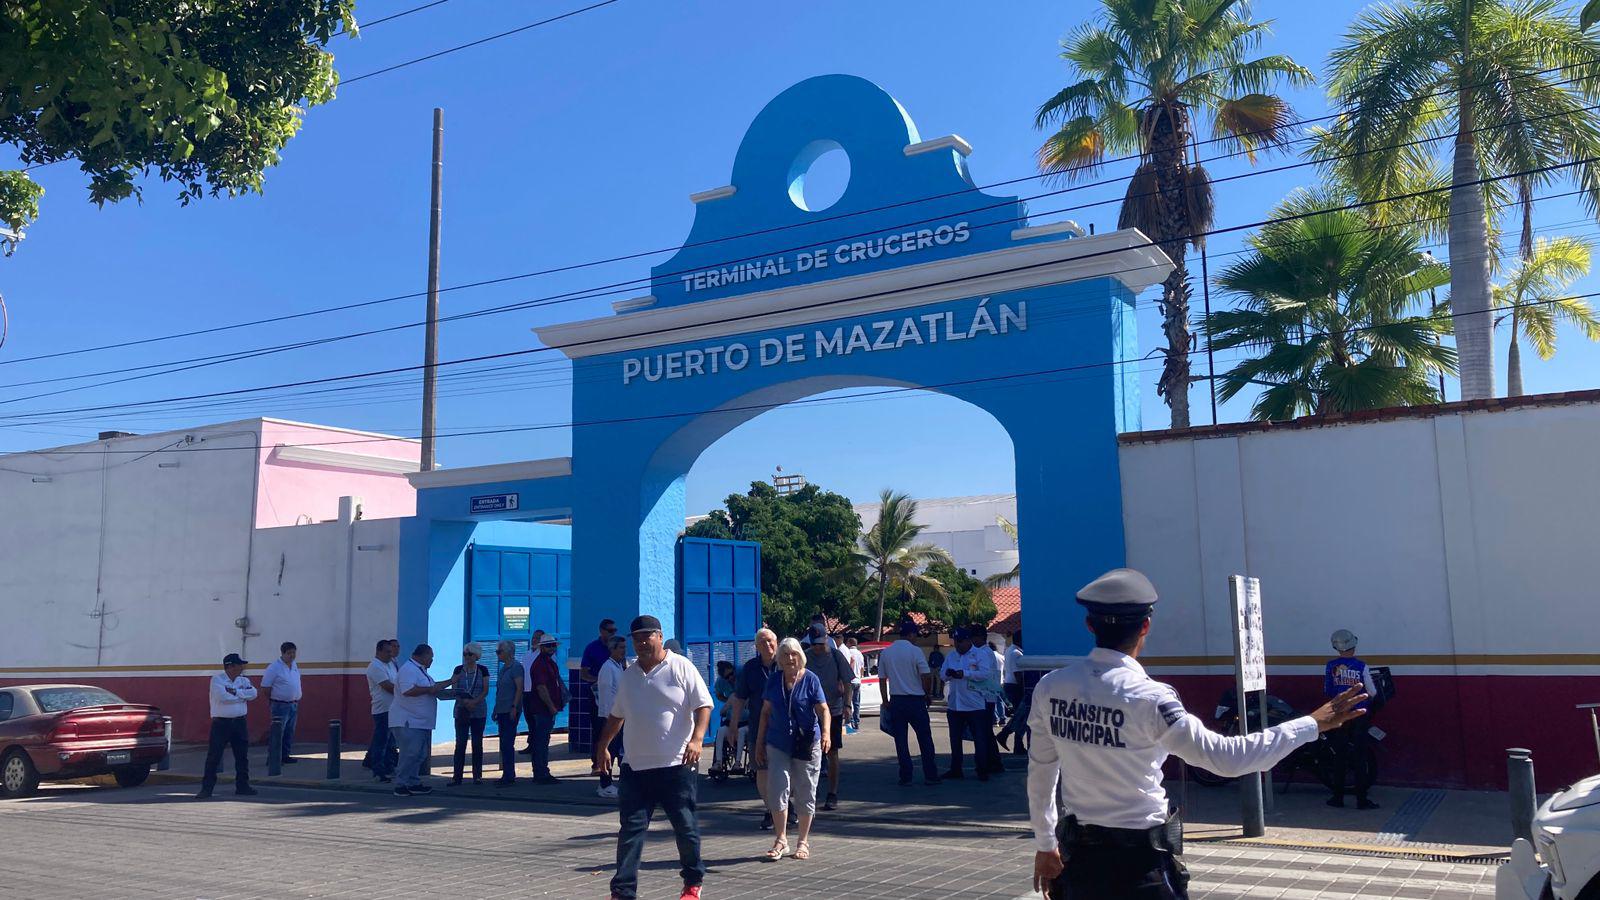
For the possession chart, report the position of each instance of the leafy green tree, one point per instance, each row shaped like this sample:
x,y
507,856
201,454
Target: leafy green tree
x,y
1325,304
966,598
1152,72
805,536
1512,82
204,93
1535,293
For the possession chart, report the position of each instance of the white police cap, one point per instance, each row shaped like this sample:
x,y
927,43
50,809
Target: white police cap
x,y
1119,593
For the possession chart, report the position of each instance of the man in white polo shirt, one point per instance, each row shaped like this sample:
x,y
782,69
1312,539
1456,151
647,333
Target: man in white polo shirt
x,y
412,716
903,683
667,706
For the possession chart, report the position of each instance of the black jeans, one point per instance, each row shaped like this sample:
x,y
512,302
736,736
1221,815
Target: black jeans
x,y
466,727
639,793
506,723
1350,752
1121,873
985,752
225,733
907,714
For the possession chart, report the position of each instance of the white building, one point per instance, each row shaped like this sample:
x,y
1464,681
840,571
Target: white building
x,y
966,527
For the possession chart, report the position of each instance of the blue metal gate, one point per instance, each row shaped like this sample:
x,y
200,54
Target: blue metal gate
x,y
719,605
511,591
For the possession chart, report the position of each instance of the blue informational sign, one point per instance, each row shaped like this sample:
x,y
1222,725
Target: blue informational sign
x,y
494,503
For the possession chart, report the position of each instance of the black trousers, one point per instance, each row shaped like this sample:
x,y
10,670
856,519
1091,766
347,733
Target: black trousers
x,y
1120,873
474,728
1350,744
226,733
980,723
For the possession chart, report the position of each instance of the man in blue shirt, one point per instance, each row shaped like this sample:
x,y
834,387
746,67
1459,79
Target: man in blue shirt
x,y
1351,742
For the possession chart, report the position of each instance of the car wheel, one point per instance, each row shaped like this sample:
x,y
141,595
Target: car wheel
x,y
18,777
1591,891
131,776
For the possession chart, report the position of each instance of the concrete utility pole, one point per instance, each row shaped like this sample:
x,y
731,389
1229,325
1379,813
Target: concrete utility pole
x,y
431,346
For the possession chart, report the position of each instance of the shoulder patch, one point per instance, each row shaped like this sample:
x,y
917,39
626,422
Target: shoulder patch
x,y
1171,711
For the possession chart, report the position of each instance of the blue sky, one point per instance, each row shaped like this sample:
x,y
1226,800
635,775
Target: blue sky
x,y
572,142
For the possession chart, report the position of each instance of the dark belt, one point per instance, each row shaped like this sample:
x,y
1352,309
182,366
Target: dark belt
x,y
1167,837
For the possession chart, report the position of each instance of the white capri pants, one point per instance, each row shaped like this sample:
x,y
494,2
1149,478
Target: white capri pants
x,y
788,776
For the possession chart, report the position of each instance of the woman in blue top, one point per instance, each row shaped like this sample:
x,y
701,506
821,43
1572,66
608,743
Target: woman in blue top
x,y
793,738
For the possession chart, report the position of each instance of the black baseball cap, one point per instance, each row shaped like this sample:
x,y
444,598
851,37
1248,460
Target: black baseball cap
x,y
644,623
233,659
908,627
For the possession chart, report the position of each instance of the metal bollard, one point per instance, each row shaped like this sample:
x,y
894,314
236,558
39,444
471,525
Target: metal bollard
x,y
166,758
1519,780
335,744
275,747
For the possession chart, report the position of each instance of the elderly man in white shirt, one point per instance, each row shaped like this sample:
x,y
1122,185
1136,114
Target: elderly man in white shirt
x,y
281,683
664,699
231,694
412,718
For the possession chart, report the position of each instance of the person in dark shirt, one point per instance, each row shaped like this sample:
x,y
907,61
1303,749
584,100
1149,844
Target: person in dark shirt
x,y
749,689
1351,741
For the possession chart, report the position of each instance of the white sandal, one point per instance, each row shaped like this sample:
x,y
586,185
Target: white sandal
x,y
780,847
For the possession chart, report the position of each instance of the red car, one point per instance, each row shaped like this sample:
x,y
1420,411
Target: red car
x,y
61,731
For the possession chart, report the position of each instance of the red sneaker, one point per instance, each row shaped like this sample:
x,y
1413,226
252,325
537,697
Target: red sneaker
x,y
690,892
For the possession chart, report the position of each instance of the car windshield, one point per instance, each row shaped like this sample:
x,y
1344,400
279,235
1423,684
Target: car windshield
x,y
61,699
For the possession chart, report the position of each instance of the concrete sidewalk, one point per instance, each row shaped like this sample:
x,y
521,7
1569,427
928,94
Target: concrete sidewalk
x,y
1412,822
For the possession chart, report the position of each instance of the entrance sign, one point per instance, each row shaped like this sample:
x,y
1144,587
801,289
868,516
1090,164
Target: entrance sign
x,y
1249,641
494,503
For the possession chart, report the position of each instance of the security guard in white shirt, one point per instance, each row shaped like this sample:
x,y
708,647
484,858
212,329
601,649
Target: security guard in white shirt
x,y
1103,728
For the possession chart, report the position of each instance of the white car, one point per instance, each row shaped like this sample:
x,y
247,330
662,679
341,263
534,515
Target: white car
x,y
1566,833
870,701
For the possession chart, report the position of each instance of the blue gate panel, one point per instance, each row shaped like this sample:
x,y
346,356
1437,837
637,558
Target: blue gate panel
x,y
719,605
511,591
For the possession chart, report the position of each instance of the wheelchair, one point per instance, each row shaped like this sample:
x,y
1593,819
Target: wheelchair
x,y
741,765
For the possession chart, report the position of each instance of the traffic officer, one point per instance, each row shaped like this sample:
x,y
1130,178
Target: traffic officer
x,y
1350,743
1103,729
231,694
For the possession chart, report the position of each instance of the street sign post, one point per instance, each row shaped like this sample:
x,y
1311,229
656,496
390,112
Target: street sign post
x,y
1250,671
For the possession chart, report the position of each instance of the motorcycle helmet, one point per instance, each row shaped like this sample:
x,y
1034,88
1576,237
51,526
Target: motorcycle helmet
x,y
1344,640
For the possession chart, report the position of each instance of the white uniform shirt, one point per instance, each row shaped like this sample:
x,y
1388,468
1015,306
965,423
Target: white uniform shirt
x,y
977,664
230,706
281,681
378,672
999,664
421,711
1012,672
658,708
1103,728
605,688
901,666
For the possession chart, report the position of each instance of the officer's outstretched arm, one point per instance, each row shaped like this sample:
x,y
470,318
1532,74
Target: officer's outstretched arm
x,y
1043,770
1187,738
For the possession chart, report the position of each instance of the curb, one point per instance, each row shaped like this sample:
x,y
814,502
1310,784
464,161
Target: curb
x,y
1354,848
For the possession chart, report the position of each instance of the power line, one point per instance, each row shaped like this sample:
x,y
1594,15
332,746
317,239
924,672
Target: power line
x,y
476,43
762,407
758,232
822,304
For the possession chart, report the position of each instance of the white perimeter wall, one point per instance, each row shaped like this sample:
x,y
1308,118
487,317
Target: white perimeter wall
x,y
1467,533
314,585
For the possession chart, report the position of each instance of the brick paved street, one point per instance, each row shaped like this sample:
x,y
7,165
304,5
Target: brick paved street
x,y
84,843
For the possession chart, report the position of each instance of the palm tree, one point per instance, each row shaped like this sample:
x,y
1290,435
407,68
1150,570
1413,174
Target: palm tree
x,y
1590,15
1511,81
1535,293
1001,579
890,553
1151,72
1325,302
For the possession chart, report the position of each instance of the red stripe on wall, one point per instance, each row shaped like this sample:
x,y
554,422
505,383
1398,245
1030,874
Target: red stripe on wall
x,y
186,699
1453,730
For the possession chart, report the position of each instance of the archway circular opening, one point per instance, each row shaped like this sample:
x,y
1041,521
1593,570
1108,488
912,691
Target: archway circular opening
x,y
819,176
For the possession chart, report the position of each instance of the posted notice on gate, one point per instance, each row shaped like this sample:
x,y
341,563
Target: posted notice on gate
x,y
1249,641
493,503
